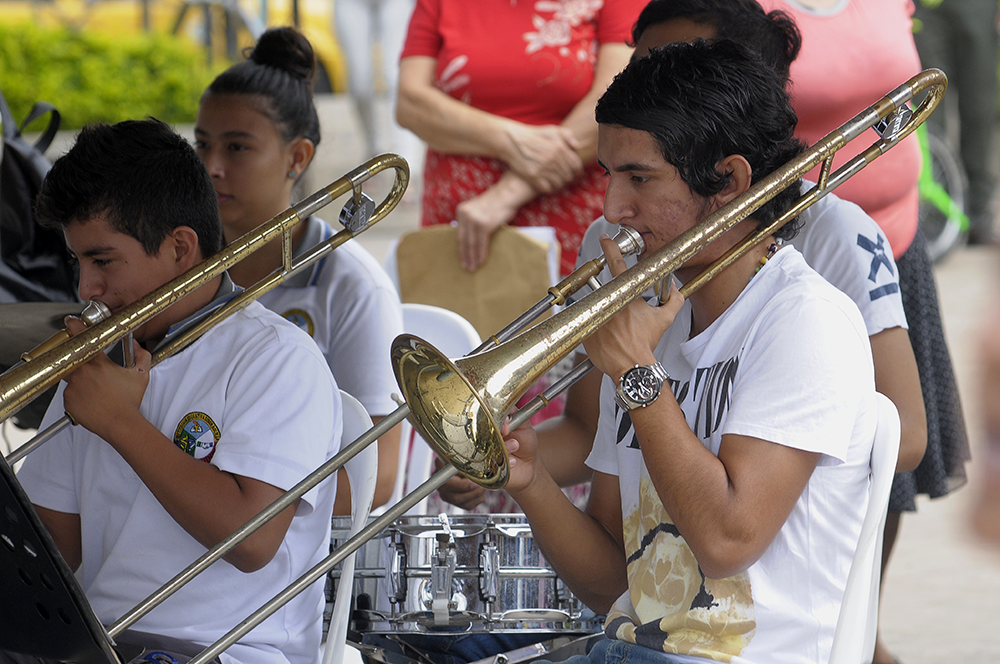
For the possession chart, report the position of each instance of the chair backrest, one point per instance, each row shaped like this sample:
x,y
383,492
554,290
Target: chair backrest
x,y
854,640
362,471
454,336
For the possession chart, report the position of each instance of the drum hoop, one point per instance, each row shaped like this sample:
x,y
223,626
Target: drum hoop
x,y
428,527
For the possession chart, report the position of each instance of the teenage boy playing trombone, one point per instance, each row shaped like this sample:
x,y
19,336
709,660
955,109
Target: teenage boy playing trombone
x,y
164,464
732,454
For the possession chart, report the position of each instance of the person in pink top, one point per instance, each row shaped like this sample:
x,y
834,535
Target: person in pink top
x,y
503,93
853,52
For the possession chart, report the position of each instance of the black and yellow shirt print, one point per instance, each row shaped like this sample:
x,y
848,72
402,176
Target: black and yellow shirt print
x,y
675,608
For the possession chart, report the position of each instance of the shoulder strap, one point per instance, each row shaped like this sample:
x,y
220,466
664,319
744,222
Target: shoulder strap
x,y
38,110
12,130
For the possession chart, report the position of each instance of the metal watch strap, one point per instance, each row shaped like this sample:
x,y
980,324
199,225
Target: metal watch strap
x,y
627,403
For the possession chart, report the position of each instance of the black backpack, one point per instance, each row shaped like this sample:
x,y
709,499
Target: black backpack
x,y
35,265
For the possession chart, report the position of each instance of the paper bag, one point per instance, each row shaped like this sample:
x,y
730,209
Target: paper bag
x,y
514,277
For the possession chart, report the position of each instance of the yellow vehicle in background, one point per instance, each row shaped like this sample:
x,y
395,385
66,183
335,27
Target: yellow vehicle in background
x,y
223,27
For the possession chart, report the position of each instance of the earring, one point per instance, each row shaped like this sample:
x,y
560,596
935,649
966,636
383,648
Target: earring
x,y
292,174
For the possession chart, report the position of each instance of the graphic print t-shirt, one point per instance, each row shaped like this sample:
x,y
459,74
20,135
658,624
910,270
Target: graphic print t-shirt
x,y
789,362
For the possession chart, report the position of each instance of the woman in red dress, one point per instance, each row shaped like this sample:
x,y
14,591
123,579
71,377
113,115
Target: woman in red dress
x,y
503,93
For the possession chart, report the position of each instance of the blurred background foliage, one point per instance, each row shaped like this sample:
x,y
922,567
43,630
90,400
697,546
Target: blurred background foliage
x,y
91,76
108,60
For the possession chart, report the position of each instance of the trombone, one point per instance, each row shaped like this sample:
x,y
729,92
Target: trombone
x,y
22,383
456,405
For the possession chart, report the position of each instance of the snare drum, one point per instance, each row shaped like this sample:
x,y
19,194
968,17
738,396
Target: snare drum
x,y
460,573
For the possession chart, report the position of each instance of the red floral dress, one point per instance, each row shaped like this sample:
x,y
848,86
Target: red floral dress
x,y
526,60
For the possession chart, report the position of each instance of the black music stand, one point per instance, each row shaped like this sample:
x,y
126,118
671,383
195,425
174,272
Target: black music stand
x,y
44,611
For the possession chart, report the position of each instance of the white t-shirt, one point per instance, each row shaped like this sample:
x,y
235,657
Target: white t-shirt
x,y
840,241
348,305
789,362
253,397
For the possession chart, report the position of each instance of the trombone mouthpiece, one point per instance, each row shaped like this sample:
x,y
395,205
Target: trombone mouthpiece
x,y
95,312
629,240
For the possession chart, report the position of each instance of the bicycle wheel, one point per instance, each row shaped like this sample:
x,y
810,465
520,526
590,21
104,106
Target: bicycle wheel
x,y
943,185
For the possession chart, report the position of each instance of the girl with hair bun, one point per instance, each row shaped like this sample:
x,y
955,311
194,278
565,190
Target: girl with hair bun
x,y
257,131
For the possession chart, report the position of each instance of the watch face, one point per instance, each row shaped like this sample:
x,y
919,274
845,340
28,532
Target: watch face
x,y
641,384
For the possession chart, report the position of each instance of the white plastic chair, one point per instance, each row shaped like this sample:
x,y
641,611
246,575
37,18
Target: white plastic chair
x,y
362,471
854,640
454,336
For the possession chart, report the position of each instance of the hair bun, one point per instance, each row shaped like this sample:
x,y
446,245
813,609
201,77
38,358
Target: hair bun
x,y
287,49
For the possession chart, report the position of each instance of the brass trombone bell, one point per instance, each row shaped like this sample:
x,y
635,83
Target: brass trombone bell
x,y
472,422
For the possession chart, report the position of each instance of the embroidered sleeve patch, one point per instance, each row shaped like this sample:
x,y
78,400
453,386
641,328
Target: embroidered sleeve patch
x,y
197,435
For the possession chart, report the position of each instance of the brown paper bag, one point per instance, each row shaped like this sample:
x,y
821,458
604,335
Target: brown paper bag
x,y
514,277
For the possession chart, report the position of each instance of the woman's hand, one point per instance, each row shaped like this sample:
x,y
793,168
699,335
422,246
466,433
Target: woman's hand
x,y
544,155
479,217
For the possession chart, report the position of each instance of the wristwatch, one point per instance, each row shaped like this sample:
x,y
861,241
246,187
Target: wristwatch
x,y
640,386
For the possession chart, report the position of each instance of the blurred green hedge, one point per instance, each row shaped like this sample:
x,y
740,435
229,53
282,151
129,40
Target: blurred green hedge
x,y
93,77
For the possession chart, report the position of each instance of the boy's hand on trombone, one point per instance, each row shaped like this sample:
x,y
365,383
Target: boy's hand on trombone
x,y
522,450
99,392
630,337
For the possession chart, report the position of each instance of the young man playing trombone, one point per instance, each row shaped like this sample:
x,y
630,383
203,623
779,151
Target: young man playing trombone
x,y
164,464
732,454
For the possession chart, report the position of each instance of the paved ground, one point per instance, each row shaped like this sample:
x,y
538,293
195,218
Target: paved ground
x,y
941,598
